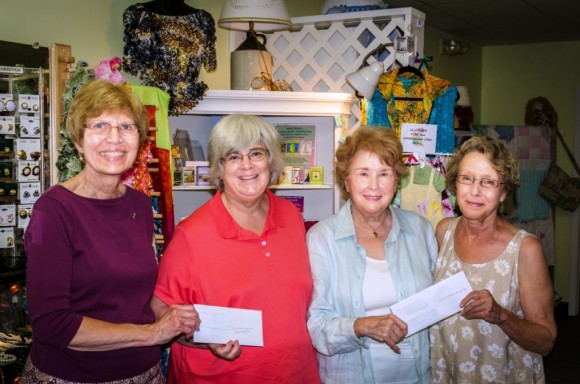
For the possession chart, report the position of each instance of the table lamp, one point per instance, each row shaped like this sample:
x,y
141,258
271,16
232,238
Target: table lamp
x,y
251,63
365,79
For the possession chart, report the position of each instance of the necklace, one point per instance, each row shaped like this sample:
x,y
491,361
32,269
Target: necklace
x,y
374,233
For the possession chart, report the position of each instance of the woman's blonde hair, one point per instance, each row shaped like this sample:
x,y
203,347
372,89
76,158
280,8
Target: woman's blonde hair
x,y
98,96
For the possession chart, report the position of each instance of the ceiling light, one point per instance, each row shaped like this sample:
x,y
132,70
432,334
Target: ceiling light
x,y
454,47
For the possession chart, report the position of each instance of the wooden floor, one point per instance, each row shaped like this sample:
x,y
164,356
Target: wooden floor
x,y
562,365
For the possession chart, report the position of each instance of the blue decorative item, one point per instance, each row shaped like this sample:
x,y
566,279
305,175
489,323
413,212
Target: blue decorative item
x,y
332,6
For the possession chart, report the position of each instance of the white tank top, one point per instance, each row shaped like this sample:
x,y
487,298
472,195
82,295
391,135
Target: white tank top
x,y
378,289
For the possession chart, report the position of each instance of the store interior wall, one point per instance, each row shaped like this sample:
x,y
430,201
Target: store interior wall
x,y
500,79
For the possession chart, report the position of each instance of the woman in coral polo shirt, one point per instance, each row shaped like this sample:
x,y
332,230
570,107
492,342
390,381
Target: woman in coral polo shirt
x,y
245,248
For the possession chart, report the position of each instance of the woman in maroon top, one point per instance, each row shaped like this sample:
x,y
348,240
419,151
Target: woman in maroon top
x,y
91,265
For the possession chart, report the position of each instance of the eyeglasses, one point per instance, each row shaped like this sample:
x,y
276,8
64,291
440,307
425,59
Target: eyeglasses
x,y
255,155
103,128
484,182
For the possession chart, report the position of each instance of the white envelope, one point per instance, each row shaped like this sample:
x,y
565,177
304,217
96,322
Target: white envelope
x,y
432,304
222,324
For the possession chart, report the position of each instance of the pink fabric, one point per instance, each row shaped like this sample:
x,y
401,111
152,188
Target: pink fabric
x,y
533,142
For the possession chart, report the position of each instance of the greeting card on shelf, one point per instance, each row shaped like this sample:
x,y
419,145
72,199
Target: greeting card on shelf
x,y
297,144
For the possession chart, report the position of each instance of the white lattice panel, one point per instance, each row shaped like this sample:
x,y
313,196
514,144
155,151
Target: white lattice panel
x,y
319,51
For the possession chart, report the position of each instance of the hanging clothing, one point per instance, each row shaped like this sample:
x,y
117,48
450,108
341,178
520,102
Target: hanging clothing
x,y
435,105
156,102
168,51
424,199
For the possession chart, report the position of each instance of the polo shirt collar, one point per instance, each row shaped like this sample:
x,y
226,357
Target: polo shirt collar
x,y
229,229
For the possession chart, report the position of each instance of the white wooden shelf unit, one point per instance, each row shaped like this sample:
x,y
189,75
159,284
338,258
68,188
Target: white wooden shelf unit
x,y
328,112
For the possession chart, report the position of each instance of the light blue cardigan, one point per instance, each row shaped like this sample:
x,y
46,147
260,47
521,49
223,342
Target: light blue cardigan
x,y
338,265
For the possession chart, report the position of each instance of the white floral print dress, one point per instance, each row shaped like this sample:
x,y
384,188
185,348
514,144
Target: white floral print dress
x,y
475,351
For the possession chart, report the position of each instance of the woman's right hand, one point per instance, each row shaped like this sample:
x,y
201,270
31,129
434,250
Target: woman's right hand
x,y
177,320
388,329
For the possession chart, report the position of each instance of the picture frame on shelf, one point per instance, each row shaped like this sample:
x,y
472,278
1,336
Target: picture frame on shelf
x,y
203,175
201,169
188,175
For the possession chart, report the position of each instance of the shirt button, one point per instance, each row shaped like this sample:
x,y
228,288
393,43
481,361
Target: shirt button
x,y
263,242
267,254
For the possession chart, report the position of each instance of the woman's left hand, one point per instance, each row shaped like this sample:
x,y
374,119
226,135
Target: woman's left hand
x,y
229,351
481,305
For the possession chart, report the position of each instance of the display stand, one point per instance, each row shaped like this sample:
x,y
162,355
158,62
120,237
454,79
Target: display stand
x,y
24,159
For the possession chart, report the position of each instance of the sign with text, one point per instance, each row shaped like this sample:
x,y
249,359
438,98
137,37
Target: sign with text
x,y
419,138
297,144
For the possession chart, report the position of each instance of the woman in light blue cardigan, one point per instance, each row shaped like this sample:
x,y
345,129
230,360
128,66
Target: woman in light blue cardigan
x,y
365,258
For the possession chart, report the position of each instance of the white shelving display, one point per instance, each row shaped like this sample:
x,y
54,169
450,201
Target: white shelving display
x,y
328,112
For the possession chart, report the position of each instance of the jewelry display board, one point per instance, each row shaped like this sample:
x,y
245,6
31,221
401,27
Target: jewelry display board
x,y
24,173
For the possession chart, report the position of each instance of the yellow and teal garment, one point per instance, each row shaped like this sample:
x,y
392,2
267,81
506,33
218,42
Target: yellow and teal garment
x,y
433,102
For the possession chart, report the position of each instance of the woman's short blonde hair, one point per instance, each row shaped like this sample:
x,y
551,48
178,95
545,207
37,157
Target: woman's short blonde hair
x,y
99,96
235,132
499,156
381,141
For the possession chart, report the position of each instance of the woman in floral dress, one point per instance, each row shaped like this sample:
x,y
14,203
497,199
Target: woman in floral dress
x,y
506,323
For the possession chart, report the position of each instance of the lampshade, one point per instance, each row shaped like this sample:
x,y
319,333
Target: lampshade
x,y
365,80
267,15
463,100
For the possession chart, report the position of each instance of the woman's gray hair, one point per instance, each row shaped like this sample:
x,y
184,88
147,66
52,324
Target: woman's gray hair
x,y
236,132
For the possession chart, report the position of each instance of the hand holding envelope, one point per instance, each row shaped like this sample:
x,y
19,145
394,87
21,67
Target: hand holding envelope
x,y
222,324
432,304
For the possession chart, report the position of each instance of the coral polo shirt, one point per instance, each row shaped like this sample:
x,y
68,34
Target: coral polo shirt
x,y
212,260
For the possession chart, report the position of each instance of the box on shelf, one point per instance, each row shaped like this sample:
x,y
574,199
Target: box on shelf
x,y
316,175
